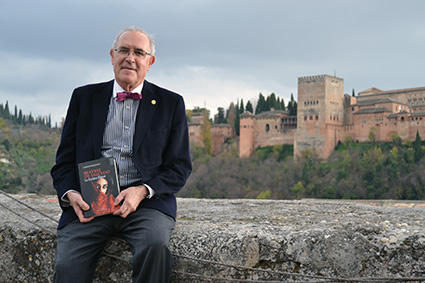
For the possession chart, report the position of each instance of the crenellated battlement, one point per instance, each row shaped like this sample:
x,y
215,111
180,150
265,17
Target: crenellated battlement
x,y
309,79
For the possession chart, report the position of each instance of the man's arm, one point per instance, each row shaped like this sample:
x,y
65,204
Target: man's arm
x,y
64,171
176,165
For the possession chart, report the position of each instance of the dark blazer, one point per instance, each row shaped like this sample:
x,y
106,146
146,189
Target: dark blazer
x,y
160,145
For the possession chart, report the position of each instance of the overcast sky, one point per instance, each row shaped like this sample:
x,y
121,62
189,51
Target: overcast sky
x,y
212,52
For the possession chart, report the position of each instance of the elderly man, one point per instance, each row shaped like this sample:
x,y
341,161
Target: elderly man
x,y
144,128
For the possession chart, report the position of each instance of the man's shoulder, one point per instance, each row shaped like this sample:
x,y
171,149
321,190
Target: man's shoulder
x,y
161,91
158,89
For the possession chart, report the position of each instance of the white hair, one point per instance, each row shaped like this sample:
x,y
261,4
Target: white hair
x,y
137,29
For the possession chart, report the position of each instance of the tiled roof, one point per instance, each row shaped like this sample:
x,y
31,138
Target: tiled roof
x,y
377,101
221,125
275,113
372,111
375,91
246,113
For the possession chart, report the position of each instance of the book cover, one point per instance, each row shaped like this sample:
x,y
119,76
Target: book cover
x,y
99,185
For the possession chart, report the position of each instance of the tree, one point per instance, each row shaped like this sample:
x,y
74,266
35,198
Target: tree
x,y
353,95
237,119
6,113
241,107
261,105
271,102
396,140
15,116
206,133
220,116
20,118
231,114
372,134
292,106
418,152
30,119
248,107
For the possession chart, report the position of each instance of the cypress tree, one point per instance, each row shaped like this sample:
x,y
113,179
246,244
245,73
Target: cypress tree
x,y
249,107
418,152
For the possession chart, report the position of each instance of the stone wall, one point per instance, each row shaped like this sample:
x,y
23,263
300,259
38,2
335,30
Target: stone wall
x,y
297,241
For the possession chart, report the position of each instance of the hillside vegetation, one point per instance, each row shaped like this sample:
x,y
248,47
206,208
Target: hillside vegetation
x,y
27,153
354,171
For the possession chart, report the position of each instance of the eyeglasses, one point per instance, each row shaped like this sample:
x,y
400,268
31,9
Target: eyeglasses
x,y
139,53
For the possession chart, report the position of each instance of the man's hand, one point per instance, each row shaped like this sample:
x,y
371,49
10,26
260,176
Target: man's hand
x,y
79,206
130,198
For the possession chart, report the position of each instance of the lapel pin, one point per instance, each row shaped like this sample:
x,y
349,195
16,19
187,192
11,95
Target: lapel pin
x,y
153,101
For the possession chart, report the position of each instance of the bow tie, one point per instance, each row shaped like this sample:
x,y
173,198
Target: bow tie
x,y
124,95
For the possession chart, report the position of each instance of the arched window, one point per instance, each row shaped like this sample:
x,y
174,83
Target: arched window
x,y
267,128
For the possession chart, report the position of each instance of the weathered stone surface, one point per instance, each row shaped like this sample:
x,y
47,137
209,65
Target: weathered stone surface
x,y
336,239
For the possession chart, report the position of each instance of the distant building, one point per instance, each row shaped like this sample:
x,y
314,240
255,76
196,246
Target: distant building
x,y
325,116
195,129
222,136
265,129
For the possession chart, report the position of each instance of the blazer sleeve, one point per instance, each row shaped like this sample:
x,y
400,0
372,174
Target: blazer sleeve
x,y
64,172
176,162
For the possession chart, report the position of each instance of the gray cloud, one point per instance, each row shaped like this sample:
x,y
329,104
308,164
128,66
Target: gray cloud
x,y
212,51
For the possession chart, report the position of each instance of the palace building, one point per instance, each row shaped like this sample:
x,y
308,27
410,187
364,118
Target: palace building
x,y
325,116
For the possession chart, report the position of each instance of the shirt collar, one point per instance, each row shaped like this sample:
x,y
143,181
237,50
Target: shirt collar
x,y
118,88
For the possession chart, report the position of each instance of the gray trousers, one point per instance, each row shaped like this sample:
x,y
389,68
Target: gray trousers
x,y
146,230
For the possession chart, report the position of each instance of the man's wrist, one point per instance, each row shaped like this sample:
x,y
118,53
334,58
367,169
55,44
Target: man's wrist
x,y
151,192
64,199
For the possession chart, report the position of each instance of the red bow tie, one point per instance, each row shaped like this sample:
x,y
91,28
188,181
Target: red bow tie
x,y
124,95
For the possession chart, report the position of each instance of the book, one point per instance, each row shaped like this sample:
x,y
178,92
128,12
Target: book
x,y
99,185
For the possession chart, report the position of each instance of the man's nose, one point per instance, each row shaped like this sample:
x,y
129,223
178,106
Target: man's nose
x,y
130,56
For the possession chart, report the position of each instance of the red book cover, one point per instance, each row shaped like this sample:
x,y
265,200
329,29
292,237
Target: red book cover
x,y
99,185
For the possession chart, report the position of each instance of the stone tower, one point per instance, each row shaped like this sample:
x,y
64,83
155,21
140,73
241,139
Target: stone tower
x,y
246,134
320,114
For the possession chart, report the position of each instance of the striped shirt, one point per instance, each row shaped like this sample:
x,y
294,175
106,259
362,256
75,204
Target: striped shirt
x,y
118,136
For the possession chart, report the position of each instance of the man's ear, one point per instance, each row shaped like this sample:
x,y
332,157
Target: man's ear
x,y
151,61
112,56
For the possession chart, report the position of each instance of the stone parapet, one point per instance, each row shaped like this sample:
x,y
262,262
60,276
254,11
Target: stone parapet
x,y
297,241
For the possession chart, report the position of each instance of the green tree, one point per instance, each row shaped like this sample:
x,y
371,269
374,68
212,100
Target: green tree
x,y
6,113
298,189
265,195
261,104
271,102
372,134
241,107
292,106
220,116
249,107
396,140
418,152
206,133
236,125
20,118
15,116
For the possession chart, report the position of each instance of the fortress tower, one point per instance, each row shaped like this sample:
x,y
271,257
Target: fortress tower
x,y
246,134
320,116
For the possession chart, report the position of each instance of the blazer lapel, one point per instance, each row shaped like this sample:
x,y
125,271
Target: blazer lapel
x,y
146,110
100,104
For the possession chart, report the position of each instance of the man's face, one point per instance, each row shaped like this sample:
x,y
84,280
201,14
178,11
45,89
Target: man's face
x,y
130,70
